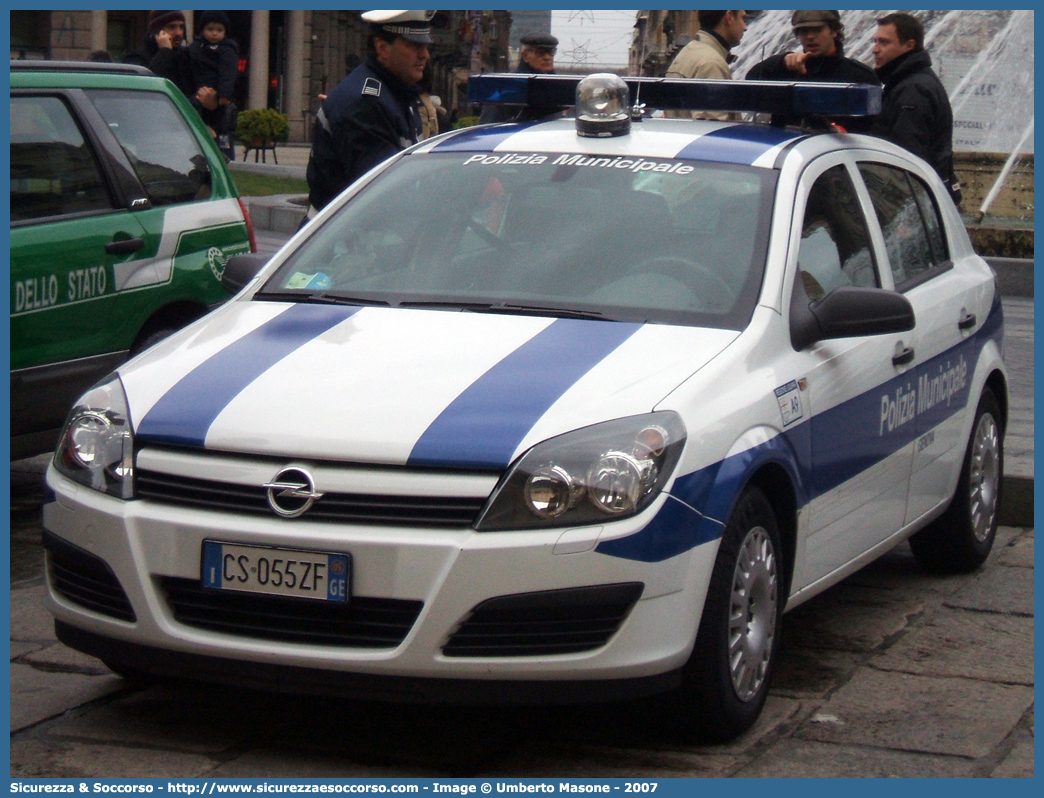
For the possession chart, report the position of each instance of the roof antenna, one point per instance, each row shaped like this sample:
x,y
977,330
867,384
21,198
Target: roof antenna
x,y
638,109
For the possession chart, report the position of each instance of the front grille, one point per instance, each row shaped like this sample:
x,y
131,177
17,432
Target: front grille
x,y
360,508
549,622
361,623
85,579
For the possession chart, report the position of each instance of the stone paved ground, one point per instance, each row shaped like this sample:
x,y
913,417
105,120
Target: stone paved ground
x,y
891,673
1019,358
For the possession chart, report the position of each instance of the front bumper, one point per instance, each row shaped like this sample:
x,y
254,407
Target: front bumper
x,y
153,552
289,679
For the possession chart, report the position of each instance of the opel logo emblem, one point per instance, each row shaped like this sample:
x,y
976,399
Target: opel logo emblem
x,y
292,492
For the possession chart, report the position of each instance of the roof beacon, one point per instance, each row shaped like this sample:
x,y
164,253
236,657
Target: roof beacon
x,y
602,106
756,96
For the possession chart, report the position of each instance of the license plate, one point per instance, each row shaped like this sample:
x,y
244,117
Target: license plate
x,y
320,575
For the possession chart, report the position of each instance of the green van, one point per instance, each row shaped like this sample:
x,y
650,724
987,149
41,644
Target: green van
x,y
123,215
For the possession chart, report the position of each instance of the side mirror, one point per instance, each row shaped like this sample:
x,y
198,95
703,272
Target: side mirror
x,y
847,312
240,270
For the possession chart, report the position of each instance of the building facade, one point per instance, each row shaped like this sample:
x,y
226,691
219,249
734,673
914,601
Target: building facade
x,y
658,36
287,58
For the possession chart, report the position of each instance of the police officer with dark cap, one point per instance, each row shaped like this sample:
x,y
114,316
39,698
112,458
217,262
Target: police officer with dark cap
x,y
821,59
375,111
536,58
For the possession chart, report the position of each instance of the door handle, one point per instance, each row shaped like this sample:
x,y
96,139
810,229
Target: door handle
x,y
903,357
124,246
966,322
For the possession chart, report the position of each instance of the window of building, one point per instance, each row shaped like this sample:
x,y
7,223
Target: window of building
x,y
30,34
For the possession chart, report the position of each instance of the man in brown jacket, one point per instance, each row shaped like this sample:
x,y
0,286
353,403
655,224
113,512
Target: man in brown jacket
x,y
708,55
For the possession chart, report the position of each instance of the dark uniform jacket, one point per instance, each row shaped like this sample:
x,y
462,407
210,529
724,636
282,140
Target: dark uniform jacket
x,y
916,114
368,117
821,69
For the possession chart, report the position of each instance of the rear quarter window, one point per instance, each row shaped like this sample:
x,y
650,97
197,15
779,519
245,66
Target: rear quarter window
x,y
160,144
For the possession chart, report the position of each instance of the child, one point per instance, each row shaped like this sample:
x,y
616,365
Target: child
x,y
214,60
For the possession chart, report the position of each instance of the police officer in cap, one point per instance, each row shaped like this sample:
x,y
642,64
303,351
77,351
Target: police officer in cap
x,y
375,111
537,58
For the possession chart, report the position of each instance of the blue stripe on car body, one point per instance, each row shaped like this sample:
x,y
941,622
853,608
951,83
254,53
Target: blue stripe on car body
x,y
480,139
676,528
851,437
707,495
738,144
852,447
183,415
483,426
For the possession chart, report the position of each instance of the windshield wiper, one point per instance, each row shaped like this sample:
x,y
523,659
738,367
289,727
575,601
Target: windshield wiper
x,y
504,307
545,310
445,304
319,298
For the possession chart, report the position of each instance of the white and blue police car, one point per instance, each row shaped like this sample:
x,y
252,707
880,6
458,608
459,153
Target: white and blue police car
x,y
553,411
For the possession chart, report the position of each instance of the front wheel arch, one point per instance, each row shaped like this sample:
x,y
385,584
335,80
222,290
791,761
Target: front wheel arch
x,y
775,483
997,383
168,319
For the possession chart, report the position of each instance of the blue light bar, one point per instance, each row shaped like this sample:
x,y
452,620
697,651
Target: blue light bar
x,y
674,94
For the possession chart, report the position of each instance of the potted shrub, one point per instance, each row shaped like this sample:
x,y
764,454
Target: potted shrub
x,y
261,128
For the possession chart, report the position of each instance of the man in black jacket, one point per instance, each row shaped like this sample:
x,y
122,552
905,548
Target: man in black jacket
x,y
916,112
822,59
164,52
375,111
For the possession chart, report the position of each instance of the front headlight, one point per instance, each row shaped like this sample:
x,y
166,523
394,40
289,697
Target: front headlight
x,y
97,446
590,476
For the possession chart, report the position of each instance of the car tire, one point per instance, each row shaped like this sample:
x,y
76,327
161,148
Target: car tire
x,y
726,680
960,540
150,339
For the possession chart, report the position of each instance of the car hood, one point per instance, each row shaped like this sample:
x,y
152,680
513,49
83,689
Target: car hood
x,y
397,386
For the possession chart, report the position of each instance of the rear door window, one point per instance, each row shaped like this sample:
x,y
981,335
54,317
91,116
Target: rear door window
x,y
53,168
910,223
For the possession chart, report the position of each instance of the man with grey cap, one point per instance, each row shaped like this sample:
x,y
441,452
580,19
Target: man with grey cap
x,y
536,58
375,111
821,59
538,53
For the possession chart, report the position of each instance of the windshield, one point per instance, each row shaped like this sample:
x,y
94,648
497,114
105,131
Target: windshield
x,y
656,240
